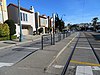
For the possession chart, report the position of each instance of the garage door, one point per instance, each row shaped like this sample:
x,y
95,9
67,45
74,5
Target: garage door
x,y
25,31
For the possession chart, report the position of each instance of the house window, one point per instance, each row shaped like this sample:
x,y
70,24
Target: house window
x,y
21,17
24,17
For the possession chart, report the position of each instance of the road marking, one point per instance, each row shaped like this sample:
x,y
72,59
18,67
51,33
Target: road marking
x,y
62,51
30,48
84,70
27,47
87,48
5,64
84,63
58,66
95,68
81,47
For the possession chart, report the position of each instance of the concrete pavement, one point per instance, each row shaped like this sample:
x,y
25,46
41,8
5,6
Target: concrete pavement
x,y
26,39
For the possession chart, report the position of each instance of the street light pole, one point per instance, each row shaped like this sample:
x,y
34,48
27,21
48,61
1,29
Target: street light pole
x,y
19,19
53,15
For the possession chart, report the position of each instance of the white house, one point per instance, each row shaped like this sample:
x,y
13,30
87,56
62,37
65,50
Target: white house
x,y
27,19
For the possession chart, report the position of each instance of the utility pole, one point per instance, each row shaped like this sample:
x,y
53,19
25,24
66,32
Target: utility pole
x,y
19,19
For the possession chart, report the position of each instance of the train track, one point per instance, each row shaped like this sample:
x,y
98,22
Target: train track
x,y
91,50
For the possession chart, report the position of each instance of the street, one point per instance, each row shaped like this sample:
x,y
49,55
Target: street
x,y
29,59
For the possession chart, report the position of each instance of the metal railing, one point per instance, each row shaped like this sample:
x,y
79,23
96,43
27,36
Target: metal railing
x,y
51,39
46,39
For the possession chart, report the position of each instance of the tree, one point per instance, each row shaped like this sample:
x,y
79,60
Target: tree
x,y
12,27
4,30
94,20
59,23
69,26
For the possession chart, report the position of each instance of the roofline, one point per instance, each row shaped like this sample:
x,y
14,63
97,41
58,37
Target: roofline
x,y
24,9
42,17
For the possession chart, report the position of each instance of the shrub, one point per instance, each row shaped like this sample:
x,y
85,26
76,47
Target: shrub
x,y
8,37
4,30
14,37
12,27
4,38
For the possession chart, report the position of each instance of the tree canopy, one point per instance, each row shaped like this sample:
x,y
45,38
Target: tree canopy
x,y
59,23
12,27
94,20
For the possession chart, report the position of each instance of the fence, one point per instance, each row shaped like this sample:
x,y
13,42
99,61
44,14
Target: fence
x,y
52,39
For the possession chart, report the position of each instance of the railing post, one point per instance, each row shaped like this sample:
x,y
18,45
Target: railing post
x,y
66,34
58,37
42,42
51,39
63,35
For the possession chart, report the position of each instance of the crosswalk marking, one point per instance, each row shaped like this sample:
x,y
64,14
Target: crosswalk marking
x,y
58,66
5,64
84,70
95,68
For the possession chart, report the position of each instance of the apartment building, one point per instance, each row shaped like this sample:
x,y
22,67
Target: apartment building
x,y
27,19
3,11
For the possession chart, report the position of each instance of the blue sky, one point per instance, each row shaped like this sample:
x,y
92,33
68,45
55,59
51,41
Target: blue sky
x,y
75,11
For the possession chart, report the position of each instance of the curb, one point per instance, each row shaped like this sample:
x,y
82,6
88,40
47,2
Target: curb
x,y
5,47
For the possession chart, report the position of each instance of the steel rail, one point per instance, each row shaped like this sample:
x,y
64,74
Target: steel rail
x,y
93,49
68,61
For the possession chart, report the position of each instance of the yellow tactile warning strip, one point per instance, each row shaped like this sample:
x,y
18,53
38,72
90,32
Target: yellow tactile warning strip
x,y
84,63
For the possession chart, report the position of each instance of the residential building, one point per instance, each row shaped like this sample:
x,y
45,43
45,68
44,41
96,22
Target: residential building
x,y
27,19
43,21
3,11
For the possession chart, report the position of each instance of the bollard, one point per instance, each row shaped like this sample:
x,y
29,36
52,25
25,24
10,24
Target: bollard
x,y
63,35
66,34
60,36
42,42
51,39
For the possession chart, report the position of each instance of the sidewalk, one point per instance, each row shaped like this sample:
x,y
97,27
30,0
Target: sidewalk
x,y
37,63
9,43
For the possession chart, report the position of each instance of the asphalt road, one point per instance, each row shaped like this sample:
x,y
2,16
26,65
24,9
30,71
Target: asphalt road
x,y
13,55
